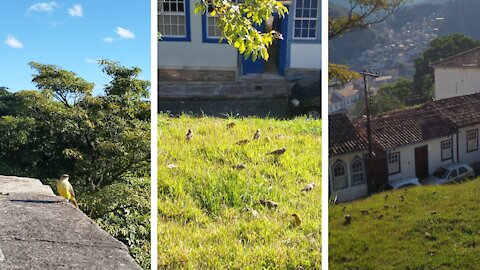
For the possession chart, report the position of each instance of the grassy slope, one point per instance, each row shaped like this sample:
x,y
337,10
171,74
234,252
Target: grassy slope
x,y
203,222
434,227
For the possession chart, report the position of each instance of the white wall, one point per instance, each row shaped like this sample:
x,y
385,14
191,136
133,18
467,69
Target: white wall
x,y
472,157
308,56
351,192
195,54
407,157
452,82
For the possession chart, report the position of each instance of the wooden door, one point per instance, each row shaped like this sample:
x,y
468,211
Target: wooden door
x,y
421,162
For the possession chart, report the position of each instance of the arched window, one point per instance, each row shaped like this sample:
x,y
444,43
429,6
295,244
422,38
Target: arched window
x,y
340,175
358,173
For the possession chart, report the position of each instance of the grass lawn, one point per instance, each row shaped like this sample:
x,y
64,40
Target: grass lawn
x,y
432,227
205,205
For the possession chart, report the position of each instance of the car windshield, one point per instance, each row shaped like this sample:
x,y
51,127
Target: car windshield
x,y
441,173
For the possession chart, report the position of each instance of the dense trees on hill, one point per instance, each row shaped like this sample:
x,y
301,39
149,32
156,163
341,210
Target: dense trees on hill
x,y
360,14
102,142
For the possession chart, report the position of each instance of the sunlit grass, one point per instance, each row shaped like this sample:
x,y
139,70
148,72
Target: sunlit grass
x,y
203,218
432,227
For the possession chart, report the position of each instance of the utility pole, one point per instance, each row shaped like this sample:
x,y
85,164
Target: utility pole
x,y
365,74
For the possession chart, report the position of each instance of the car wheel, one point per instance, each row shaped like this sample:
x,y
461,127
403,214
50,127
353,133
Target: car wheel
x,y
313,113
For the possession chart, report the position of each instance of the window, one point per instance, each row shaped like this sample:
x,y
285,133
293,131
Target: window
x,y
306,19
173,19
339,176
394,163
472,140
447,150
462,170
213,31
358,177
453,174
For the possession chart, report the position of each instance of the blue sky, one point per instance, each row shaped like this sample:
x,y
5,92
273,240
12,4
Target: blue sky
x,y
72,35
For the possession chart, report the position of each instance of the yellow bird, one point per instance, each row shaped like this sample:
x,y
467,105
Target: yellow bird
x,y
65,189
296,220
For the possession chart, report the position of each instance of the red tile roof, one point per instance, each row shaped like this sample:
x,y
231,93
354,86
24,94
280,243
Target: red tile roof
x,y
469,58
342,137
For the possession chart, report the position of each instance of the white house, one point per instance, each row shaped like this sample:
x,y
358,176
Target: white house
x,y
411,142
457,75
190,51
347,170
416,141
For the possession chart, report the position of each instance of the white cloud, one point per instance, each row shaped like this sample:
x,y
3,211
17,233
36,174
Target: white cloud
x,y
11,41
90,61
76,11
107,39
124,33
43,7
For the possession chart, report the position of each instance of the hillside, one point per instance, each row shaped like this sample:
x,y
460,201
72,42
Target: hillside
x,y
205,206
434,227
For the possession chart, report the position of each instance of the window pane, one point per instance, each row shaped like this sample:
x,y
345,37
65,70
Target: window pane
x,y
305,24
180,7
304,33
298,13
313,13
312,33
297,33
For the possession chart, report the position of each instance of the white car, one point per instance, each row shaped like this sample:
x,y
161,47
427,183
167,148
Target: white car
x,y
452,173
403,183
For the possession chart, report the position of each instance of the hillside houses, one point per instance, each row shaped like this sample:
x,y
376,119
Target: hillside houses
x,y
193,62
413,142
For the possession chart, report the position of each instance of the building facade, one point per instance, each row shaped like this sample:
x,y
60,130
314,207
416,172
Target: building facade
x,y
191,55
458,75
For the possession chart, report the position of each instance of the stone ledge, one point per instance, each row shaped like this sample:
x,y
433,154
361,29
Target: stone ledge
x,y
42,231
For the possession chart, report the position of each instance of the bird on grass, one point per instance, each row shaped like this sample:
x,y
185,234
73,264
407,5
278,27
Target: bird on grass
x,y
231,125
242,142
308,187
189,135
256,136
65,189
240,166
347,219
268,203
297,221
278,152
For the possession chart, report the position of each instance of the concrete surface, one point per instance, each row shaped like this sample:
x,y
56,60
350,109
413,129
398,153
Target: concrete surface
x,y
39,230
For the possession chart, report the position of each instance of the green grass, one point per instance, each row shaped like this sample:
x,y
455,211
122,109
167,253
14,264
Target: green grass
x,y
203,217
434,227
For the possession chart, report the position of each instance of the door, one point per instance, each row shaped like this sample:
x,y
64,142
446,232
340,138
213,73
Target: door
x,y
253,67
421,162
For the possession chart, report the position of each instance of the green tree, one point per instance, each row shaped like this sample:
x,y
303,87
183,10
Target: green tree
x,y
361,14
439,48
239,22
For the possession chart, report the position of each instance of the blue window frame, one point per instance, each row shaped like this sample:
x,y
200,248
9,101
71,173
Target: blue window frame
x,y
306,19
174,20
211,33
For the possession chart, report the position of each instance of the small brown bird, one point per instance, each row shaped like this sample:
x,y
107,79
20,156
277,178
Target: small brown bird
x,y
189,135
257,135
242,142
268,203
348,219
231,125
278,152
297,221
309,187
240,166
